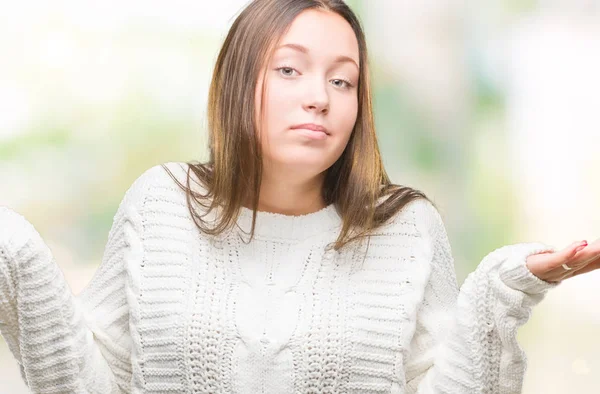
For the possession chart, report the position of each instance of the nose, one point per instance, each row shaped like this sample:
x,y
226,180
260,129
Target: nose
x,y
317,97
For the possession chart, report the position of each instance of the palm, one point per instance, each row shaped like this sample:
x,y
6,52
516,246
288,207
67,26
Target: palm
x,y
549,266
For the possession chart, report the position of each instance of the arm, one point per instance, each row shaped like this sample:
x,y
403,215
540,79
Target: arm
x,y
465,341
64,343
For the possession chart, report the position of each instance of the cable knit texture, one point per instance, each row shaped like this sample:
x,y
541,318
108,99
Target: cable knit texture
x,y
171,310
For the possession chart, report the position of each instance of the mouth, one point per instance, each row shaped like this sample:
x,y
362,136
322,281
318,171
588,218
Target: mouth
x,y
311,134
312,127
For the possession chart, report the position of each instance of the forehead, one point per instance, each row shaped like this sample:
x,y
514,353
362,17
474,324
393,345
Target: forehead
x,y
325,34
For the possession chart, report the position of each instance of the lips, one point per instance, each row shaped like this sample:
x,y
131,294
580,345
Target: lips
x,y
311,126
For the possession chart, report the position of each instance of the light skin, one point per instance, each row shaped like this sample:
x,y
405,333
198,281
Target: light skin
x,y
579,256
306,82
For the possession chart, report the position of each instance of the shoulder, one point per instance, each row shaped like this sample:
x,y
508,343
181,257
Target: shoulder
x,y
151,181
426,215
422,220
428,219
432,230
160,175
423,216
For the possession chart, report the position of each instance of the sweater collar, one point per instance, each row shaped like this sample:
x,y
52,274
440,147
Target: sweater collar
x,y
290,227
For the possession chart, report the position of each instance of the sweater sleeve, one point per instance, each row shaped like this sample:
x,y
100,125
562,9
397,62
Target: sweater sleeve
x,y
65,343
465,340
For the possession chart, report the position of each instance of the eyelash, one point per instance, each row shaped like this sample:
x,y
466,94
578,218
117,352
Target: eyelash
x,y
348,83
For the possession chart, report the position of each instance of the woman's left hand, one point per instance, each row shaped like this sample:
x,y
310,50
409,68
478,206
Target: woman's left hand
x,y
579,256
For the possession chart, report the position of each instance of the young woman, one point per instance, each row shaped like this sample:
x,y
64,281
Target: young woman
x,y
288,263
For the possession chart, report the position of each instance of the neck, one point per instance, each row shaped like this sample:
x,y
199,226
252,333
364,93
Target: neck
x,y
287,196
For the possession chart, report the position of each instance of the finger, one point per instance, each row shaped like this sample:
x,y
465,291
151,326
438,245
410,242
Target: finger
x,y
566,255
593,265
585,256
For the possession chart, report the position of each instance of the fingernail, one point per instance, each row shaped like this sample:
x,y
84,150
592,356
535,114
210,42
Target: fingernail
x,y
581,247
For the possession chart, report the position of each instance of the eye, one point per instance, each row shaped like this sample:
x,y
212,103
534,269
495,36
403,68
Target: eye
x,y
343,83
286,71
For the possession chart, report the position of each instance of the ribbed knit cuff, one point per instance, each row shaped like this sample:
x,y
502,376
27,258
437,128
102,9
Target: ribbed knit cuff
x,y
515,274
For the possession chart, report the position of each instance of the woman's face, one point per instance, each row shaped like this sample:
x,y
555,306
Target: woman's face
x,y
312,78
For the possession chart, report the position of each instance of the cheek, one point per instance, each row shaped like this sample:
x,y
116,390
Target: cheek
x,y
278,104
346,116
280,96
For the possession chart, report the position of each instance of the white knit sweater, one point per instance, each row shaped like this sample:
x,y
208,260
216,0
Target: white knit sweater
x,y
172,311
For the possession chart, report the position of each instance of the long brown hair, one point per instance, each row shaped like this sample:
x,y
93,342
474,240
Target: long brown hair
x,y
356,183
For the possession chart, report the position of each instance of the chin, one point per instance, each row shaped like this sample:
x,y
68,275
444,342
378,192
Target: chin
x,y
302,165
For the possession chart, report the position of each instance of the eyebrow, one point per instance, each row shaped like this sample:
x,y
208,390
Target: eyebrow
x,y
303,49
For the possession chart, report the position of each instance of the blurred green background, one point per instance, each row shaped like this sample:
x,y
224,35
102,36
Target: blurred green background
x,y
491,108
